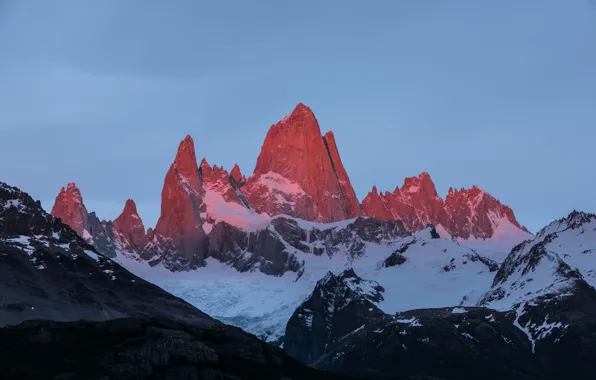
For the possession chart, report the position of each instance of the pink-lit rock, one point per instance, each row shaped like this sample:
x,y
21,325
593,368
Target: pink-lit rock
x,y
295,173
70,208
464,214
182,204
216,178
130,225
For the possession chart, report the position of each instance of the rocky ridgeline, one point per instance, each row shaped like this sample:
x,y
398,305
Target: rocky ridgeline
x,y
299,173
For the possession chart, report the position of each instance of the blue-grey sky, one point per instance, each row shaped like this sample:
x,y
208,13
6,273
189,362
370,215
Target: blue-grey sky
x,y
501,94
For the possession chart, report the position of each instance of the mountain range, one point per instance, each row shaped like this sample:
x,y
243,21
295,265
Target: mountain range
x,y
299,173
401,284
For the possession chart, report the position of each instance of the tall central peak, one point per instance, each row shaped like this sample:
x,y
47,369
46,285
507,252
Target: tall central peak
x,y
300,113
300,173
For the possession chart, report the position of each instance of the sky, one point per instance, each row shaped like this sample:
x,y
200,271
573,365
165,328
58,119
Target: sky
x,y
500,94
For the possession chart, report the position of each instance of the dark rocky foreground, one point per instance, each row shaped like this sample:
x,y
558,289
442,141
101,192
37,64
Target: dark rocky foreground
x,y
340,329
142,349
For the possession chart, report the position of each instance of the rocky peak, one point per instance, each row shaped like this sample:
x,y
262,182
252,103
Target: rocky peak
x,y
374,205
237,175
416,203
575,220
422,185
185,163
70,209
182,204
339,305
130,225
299,173
288,144
217,179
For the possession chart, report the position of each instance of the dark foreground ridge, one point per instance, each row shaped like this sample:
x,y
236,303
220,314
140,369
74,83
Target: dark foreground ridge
x,y
339,328
133,348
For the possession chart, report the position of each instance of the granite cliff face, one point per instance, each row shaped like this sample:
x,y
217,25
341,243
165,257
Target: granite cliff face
x,y
299,173
182,204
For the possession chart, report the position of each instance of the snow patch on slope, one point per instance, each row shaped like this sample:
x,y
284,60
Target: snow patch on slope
x,y
505,237
231,213
275,181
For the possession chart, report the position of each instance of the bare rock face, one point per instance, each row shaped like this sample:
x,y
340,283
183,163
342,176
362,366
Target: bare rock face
x,y
298,174
70,209
130,225
182,204
417,203
464,214
374,206
347,192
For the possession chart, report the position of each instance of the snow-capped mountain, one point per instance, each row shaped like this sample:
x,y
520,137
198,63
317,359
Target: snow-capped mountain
x,y
546,333
560,255
338,305
269,271
290,255
223,226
